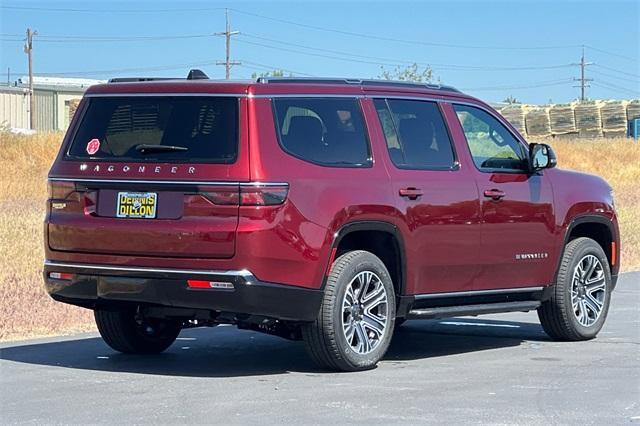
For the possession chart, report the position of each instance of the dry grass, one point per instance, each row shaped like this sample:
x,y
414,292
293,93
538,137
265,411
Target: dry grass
x,y
26,311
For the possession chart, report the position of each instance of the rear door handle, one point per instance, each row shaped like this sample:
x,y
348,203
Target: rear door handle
x,y
494,194
411,193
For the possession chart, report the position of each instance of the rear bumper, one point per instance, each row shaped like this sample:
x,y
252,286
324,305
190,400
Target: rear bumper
x,y
94,286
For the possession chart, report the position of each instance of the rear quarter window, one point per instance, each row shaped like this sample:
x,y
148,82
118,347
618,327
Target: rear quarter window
x,y
324,131
157,128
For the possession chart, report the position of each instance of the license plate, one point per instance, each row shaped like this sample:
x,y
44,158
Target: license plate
x,y
137,205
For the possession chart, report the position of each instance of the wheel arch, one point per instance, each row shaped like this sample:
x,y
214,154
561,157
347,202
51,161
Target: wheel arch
x,y
602,231
373,236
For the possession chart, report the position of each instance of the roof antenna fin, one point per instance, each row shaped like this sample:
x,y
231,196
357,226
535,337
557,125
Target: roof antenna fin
x,y
197,75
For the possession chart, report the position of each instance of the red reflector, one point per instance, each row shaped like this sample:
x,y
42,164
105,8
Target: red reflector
x,y
210,284
61,276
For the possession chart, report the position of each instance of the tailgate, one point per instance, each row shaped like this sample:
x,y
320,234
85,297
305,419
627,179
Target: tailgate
x,y
148,219
150,175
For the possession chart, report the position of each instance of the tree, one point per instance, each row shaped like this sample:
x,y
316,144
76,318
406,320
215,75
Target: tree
x,y
410,73
274,73
511,100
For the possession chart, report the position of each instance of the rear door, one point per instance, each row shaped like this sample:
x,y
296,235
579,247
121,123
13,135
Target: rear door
x,y
151,176
438,199
517,206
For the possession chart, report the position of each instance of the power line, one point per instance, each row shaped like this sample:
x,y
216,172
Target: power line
x,y
615,89
259,66
604,74
397,40
612,85
86,10
388,61
514,87
611,53
616,70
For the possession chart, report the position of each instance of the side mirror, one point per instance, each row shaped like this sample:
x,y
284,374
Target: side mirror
x,y
541,156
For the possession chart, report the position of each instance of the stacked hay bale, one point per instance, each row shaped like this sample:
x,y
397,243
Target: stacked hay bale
x,y
588,120
614,119
562,120
73,107
515,114
537,121
633,109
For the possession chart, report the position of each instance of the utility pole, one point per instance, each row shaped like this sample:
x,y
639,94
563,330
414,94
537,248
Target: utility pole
x,y
583,80
227,35
28,48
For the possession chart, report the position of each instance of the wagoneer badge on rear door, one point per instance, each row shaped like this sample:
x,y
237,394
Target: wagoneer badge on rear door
x,y
140,169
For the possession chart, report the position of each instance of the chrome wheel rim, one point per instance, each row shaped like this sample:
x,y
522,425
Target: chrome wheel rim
x,y
588,290
365,312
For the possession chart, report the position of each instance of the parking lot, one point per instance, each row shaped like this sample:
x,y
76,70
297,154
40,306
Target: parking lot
x,y
493,369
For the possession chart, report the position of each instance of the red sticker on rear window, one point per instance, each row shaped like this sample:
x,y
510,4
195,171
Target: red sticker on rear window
x,y
93,146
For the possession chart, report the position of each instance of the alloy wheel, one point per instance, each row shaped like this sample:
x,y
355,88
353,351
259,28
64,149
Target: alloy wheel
x,y
365,312
588,290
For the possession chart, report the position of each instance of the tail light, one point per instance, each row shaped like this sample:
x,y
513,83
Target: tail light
x,y
249,195
60,190
271,195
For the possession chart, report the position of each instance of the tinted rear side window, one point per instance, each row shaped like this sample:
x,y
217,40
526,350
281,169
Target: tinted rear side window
x,y
167,129
416,134
323,131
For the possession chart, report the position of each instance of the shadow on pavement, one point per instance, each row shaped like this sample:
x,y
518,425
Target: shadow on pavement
x,y
228,352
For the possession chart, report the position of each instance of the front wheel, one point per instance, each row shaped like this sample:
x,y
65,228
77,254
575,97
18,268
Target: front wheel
x,y
126,332
355,323
580,301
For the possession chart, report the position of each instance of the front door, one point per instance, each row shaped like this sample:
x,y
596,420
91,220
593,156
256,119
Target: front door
x,y
517,206
437,199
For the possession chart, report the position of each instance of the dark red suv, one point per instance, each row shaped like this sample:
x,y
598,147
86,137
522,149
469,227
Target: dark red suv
x,y
326,210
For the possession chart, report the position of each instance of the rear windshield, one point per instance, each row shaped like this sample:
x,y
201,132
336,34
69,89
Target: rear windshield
x,y
173,129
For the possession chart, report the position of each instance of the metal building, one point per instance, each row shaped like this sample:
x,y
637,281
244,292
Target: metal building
x,y
54,99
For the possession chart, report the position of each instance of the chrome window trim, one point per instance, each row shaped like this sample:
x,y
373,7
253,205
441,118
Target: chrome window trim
x,y
232,273
169,182
479,292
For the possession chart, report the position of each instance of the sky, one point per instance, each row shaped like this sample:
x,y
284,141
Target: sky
x,y
489,49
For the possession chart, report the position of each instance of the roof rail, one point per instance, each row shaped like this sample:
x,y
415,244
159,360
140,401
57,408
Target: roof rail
x,y
194,74
355,81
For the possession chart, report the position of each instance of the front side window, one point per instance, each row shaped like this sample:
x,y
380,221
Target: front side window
x,y
492,145
324,131
416,134
158,128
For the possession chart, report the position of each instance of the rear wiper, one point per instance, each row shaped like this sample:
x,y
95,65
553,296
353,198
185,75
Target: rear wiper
x,y
149,148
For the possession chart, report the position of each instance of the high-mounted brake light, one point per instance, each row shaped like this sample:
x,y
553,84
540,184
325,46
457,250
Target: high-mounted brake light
x,y
216,285
67,276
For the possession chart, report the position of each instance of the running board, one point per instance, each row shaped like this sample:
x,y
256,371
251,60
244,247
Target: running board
x,y
487,308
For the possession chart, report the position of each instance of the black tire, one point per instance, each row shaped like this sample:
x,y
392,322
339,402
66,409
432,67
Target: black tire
x,y
324,338
124,333
399,322
557,315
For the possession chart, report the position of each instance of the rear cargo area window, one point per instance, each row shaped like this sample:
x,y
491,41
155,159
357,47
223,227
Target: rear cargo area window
x,y
323,131
157,128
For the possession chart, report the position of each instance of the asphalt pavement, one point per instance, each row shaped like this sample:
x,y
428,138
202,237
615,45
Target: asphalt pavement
x,y
497,369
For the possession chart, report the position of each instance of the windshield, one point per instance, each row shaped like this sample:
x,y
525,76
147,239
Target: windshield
x,y
158,128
